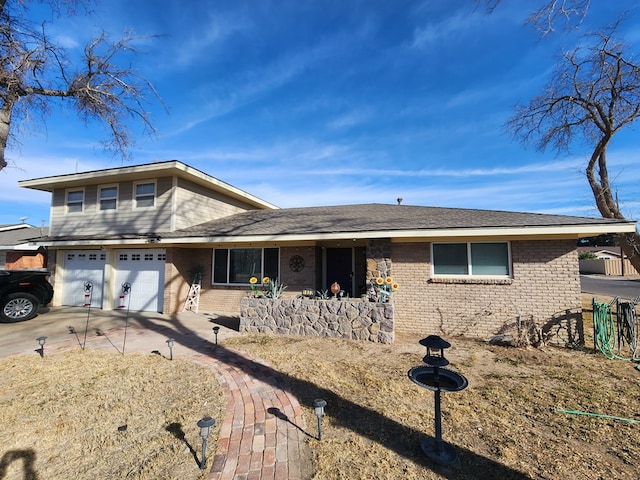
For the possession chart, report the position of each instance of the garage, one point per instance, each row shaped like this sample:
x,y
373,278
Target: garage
x,y
80,267
143,271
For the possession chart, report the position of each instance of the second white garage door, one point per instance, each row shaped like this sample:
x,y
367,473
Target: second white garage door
x,y
143,269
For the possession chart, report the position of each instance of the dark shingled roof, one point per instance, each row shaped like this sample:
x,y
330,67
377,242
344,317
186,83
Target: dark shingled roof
x,y
20,234
373,217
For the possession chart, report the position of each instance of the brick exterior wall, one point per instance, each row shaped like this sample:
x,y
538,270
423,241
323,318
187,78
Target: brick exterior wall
x,y
223,298
545,289
307,277
17,260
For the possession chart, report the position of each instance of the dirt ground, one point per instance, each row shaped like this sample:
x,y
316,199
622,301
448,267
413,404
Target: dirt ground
x,y
542,413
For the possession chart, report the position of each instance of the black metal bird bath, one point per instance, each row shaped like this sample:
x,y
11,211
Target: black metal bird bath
x,y
433,377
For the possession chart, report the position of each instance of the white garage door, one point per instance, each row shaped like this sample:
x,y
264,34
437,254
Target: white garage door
x,y
143,269
81,266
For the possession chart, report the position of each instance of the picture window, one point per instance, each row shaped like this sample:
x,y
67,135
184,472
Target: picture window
x,y
486,259
238,265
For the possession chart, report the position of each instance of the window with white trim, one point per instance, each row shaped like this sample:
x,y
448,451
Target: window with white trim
x,y
485,259
75,201
145,195
108,198
238,265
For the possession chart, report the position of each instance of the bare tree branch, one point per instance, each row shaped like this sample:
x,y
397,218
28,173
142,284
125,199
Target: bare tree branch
x,y
545,19
593,94
34,70
569,13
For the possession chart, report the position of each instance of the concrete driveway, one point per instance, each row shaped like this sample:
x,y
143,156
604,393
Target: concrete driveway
x,y
623,287
65,327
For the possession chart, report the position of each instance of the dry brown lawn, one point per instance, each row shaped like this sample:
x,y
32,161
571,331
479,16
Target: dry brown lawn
x,y
61,415
96,415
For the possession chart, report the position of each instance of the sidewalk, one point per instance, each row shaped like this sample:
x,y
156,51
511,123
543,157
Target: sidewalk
x,y
263,433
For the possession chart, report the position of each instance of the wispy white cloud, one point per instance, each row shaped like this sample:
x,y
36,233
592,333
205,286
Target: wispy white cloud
x,y
555,168
221,98
66,41
218,100
300,153
436,32
352,118
205,38
553,197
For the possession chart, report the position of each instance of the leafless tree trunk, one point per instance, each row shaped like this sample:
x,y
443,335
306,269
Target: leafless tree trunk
x,y
594,93
33,71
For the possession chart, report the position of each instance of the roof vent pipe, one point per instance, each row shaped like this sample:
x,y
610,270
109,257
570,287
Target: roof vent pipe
x,y
399,200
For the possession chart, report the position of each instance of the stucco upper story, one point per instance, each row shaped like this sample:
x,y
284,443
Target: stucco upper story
x,y
143,199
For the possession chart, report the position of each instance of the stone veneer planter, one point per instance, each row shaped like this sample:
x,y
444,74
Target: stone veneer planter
x,y
352,319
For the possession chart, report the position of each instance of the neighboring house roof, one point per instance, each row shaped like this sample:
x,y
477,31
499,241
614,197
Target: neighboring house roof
x,y
142,172
18,238
374,221
16,226
602,251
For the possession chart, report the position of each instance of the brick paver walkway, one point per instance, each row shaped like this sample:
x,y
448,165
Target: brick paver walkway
x,y
262,436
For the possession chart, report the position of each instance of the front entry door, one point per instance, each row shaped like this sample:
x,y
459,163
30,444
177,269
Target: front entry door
x,y
340,269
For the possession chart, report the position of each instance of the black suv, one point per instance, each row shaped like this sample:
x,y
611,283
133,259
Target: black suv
x,y
22,293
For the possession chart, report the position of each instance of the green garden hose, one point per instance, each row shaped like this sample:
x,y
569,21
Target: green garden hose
x,y
627,325
598,415
607,338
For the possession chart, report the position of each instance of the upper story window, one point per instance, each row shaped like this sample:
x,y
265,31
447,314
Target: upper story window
x,y
238,265
488,259
108,198
145,195
75,201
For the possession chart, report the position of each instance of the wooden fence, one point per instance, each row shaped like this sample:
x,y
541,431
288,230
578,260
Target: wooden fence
x,y
607,267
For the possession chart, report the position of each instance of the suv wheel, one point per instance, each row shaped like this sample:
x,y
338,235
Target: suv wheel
x,y
17,307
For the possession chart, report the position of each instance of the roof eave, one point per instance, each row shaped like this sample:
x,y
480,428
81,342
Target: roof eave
x,y
529,232
21,247
169,168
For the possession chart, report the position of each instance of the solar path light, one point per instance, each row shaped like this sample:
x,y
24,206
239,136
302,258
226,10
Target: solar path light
x,y
170,342
205,424
41,341
216,329
318,406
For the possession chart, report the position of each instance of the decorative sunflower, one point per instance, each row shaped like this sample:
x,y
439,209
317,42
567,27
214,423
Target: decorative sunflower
x,y
253,280
394,286
265,281
379,280
388,280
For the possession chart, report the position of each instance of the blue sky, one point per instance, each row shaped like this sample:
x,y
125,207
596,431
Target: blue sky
x,y
306,103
